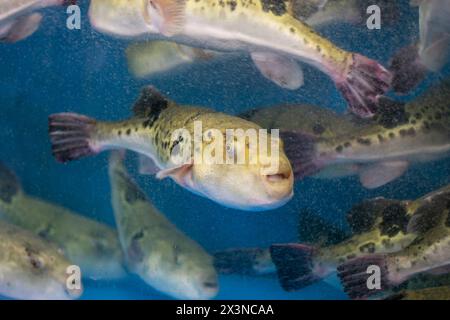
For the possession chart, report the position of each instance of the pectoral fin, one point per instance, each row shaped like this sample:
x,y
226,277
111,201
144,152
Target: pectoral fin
x,y
284,71
167,16
437,54
22,28
181,175
147,166
377,175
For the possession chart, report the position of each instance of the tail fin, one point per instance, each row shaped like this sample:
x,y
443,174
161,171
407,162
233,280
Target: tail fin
x,y
355,275
251,261
363,83
300,149
294,265
71,136
407,69
9,184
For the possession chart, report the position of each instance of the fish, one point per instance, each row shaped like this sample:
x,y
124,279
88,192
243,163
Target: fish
x,y
18,19
93,246
32,268
431,53
148,58
377,226
435,293
378,151
428,253
254,184
257,262
154,57
244,261
154,248
263,28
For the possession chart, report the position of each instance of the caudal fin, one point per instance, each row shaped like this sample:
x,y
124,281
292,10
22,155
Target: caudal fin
x,y
71,136
364,81
356,275
300,149
408,72
294,263
9,184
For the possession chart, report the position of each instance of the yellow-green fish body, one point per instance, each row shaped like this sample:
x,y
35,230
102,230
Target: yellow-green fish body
x,y
428,253
379,151
154,133
31,268
93,246
154,248
269,30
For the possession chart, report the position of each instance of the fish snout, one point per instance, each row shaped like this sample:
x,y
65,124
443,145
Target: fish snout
x,y
279,182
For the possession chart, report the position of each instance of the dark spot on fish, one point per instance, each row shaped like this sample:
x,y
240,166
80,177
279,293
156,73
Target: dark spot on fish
x,y
33,257
277,7
339,149
381,138
347,144
395,219
128,132
364,141
9,185
318,129
45,233
132,191
367,248
135,253
391,113
351,256
392,135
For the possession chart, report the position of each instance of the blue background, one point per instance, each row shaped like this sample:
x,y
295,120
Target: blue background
x,y
84,71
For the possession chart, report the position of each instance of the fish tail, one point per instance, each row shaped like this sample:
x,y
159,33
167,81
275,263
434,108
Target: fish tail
x,y
355,276
407,69
362,83
9,184
300,149
72,136
294,264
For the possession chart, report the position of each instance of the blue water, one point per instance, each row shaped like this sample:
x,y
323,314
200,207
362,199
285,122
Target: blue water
x,y
84,71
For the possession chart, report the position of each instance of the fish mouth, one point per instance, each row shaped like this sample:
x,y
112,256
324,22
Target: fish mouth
x,y
277,177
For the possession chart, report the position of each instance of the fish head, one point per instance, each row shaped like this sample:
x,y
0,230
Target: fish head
x,y
244,176
182,270
123,18
45,274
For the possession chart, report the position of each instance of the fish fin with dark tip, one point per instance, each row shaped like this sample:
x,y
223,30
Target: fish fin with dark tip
x,y
294,263
71,136
314,230
300,149
407,69
150,101
355,275
362,83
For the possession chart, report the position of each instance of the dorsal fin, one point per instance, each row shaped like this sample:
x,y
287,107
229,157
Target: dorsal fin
x,y
151,102
363,216
314,230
